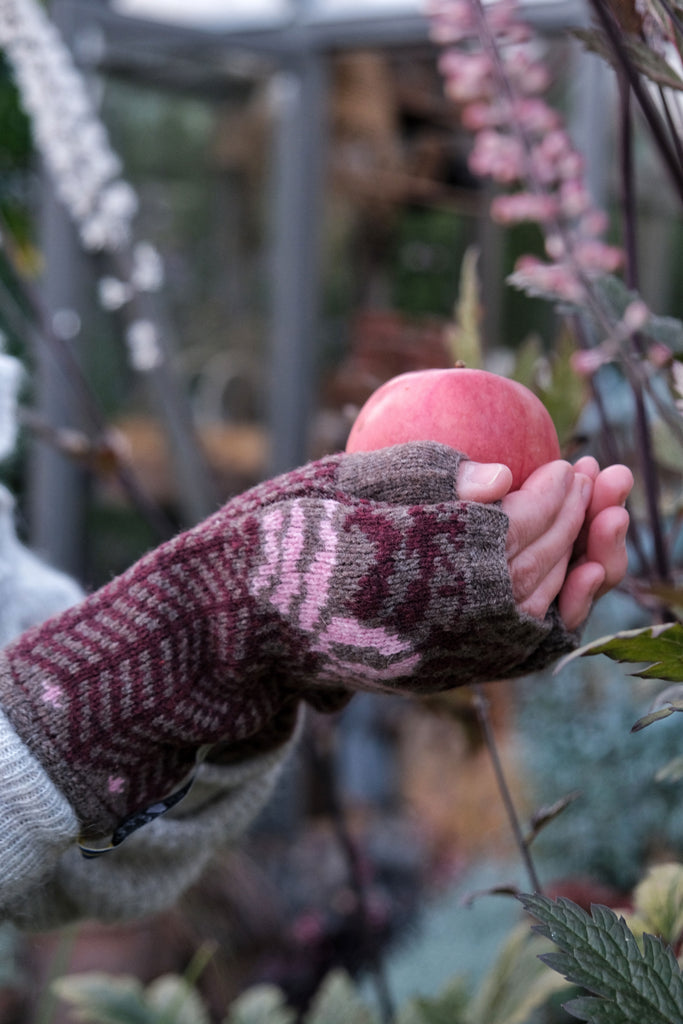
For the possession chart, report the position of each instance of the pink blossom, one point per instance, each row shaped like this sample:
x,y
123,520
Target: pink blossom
x,y
545,279
527,74
593,222
520,141
536,116
555,245
523,206
451,20
574,198
636,315
478,115
498,156
593,256
660,355
468,76
586,362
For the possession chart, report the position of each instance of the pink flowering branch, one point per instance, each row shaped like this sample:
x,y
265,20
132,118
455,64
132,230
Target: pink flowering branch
x,y
494,72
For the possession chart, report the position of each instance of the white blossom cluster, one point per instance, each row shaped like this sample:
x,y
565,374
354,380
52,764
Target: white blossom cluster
x,y
70,137
76,152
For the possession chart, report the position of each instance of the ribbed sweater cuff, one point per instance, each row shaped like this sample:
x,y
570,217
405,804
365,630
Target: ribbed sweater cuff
x,y
36,821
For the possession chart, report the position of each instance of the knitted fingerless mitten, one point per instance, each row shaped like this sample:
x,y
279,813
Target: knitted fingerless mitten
x,y
355,572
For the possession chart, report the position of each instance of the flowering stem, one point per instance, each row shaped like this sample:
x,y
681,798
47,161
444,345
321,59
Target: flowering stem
x,y
73,374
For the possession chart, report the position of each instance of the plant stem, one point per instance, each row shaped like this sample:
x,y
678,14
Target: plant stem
x,y
326,773
643,431
613,32
481,706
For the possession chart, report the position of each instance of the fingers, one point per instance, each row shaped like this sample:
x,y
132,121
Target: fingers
x,y
581,587
484,482
612,487
600,555
606,545
550,495
545,518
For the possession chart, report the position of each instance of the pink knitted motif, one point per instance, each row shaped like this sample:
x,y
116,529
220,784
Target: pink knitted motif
x,y
319,582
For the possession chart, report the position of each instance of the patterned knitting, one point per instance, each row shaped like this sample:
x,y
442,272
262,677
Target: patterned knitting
x,y
355,572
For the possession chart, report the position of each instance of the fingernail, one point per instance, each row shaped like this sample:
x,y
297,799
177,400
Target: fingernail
x,y
586,487
620,536
481,474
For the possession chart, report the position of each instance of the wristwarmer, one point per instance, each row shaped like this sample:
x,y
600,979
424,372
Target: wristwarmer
x,y
355,572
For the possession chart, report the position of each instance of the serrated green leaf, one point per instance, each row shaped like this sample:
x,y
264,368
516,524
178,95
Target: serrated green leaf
x,y
337,1002
660,648
600,953
596,1011
262,1004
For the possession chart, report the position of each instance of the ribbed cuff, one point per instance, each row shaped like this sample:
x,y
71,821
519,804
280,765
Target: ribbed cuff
x,y
36,821
150,870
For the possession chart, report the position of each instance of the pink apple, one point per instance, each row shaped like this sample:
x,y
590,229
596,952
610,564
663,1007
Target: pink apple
x,y
488,417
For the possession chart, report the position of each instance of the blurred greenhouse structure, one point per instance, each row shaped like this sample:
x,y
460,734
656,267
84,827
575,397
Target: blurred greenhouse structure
x,y
304,221
306,185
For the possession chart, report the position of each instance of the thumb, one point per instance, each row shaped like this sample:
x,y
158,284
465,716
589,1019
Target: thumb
x,y
483,481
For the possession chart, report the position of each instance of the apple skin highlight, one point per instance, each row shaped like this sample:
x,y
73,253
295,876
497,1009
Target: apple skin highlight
x,y
488,417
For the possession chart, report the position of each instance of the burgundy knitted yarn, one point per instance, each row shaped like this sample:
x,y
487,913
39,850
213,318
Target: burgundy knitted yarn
x,y
355,572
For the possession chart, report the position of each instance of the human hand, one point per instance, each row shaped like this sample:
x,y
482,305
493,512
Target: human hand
x,y
599,560
553,549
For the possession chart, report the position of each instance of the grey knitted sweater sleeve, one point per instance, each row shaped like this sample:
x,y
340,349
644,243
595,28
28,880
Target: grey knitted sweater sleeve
x,y
46,882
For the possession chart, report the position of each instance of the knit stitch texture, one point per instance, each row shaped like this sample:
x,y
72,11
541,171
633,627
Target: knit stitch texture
x,y
36,822
355,572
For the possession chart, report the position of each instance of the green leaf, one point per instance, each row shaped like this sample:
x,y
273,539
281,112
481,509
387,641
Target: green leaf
x,y
337,1002
105,998
545,815
599,953
517,984
654,716
615,299
464,337
594,1010
658,902
672,771
262,1004
646,60
449,1007
108,999
660,648
174,1000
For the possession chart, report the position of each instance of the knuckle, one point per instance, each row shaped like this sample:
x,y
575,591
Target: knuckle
x,y
526,572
